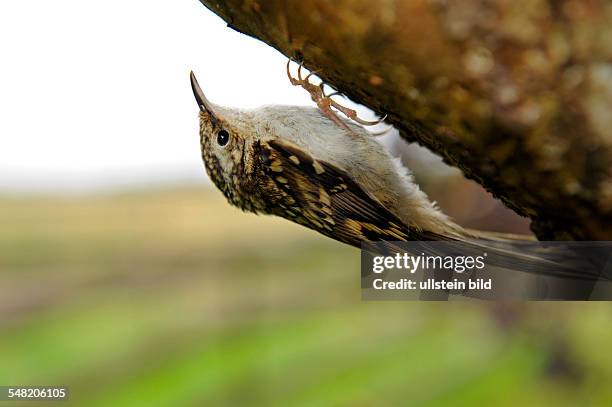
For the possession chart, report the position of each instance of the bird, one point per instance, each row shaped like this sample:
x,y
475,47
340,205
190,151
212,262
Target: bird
x,y
297,163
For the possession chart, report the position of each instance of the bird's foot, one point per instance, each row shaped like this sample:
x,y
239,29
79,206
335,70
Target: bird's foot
x,y
325,101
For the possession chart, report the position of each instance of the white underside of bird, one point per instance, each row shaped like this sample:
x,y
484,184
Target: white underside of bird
x,y
357,152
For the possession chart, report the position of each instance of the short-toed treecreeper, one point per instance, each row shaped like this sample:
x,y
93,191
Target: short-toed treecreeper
x,y
299,163
295,162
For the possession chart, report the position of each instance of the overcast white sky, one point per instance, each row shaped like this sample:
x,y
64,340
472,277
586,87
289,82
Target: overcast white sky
x,y
97,93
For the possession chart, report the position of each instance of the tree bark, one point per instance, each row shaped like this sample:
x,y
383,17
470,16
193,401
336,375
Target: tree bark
x,y
517,94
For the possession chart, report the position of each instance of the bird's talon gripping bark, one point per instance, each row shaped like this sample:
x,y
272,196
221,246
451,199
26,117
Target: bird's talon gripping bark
x,y
309,75
294,82
325,102
334,93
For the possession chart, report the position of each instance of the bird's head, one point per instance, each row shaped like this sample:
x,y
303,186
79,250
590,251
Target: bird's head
x,y
225,139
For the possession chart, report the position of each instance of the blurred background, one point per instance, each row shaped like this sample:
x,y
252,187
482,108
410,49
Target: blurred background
x,y
125,275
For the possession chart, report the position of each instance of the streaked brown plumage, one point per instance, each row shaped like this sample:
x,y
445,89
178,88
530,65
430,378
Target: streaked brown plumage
x,y
274,176
296,163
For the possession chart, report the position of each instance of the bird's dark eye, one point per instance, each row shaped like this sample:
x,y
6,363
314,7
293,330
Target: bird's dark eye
x,y
222,137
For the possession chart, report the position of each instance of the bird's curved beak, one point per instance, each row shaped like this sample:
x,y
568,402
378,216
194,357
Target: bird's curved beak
x,y
203,103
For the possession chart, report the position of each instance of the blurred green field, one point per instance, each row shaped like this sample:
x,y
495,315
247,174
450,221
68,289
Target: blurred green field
x,y
173,298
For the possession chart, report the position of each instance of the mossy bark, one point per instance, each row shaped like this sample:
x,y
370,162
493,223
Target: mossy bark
x,y
517,94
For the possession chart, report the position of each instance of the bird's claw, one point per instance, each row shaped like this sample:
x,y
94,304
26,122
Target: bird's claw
x,y
325,102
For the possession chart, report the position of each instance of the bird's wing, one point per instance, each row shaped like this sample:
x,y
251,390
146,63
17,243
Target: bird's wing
x,y
319,195
323,197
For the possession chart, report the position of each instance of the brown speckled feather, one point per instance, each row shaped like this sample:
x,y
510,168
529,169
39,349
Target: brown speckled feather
x,y
323,197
